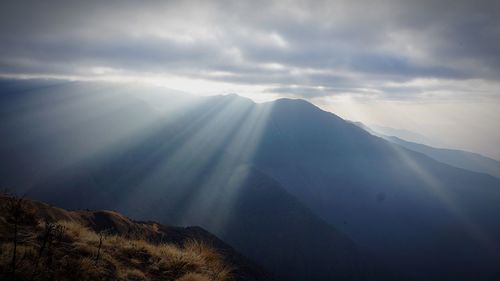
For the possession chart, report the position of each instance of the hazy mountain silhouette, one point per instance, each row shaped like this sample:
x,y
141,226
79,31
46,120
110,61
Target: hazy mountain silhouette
x,y
166,171
403,134
251,173
458,158
407,208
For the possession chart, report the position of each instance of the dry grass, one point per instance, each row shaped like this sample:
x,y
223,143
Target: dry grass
x,y
74,252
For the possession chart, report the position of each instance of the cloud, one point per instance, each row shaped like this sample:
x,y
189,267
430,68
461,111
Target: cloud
x,y
299,48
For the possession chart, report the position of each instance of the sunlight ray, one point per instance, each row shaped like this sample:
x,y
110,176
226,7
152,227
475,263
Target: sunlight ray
x,y
193,149
239,150
433,185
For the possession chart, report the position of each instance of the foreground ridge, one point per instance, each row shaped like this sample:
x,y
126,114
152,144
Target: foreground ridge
x,y
40,242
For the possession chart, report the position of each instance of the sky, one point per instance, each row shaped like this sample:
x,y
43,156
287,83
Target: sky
x,y
432,67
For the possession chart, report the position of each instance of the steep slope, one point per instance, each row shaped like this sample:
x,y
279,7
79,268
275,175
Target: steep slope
x,y
398,204
105,245
187,169
229,165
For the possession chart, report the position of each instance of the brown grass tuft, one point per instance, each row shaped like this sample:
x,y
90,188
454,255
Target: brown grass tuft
x,y
67,250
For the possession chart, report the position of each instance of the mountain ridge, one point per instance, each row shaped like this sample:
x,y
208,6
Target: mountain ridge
x,y
467,160
116,226
186,168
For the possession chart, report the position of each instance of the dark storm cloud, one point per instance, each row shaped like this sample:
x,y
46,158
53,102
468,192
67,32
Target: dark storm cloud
x,y
317,47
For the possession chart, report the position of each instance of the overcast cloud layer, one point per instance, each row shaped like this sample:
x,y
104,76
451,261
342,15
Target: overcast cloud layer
x,y
306,48
382,49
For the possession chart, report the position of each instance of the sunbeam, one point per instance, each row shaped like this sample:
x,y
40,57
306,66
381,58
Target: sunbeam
x,y
258,140
217,196
96,119
449,201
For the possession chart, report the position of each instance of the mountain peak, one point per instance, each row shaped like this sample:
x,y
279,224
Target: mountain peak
x,y
293,101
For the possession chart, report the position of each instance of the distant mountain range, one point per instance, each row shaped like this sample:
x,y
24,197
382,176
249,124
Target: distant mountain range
x,y
302,192
403,134
458,158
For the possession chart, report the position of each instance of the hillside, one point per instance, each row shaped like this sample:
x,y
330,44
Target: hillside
x,y
299,190
53,243
180,169
398,204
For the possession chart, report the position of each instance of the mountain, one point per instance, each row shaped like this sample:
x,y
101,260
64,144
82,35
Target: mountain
x,y
453,157
403,134
70,246
457,158
297,189
398,204
187,168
